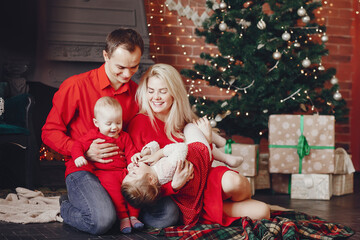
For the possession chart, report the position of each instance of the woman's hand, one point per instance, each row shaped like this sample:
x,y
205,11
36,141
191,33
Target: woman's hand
x,y
99,150
183,173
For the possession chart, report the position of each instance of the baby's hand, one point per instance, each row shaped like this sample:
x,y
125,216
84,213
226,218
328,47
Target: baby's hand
x,y
80,161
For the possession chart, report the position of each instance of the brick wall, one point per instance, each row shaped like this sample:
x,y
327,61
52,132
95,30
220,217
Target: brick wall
x,y
173,41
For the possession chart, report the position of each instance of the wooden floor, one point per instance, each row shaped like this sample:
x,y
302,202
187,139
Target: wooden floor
x,y
343,209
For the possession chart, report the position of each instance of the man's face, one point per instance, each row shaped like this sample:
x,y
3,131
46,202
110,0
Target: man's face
x,y
122,65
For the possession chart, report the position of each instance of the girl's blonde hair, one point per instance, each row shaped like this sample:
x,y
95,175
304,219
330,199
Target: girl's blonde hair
x,y
180,112
141,192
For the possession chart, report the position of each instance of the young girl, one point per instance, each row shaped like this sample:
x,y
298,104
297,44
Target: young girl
x,y
108,120
142,185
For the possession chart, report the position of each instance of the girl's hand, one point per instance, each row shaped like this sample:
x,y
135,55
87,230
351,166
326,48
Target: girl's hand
x,y
135,158
184,172
149,159
99,150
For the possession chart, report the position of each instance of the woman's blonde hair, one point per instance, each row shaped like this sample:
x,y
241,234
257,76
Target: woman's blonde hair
x,y
180,112
141,192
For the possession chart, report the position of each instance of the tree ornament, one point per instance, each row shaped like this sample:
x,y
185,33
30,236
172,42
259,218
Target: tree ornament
x,y
334,80
296,44
286,36
247,4
321,67
212,122
222,26
261,24
337,96
301,12
306,62
276,55
218,118
324,38
305,19
194,108
223,5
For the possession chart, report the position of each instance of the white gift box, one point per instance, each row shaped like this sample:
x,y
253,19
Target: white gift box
x,y
311,186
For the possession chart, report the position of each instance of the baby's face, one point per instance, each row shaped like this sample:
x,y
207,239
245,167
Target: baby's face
x,y
109,123
137,171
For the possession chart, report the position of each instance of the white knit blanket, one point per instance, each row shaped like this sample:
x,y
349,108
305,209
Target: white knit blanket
x,y
27,206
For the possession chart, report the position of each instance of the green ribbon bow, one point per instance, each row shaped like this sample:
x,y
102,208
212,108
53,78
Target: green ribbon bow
x,y
228,149
303,148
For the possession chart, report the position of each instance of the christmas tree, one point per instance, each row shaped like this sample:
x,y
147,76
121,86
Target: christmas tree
x,y
269,62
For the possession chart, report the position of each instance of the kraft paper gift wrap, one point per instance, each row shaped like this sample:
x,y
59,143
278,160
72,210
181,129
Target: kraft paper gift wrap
x,y
301,143
250,154
281,183
343,184
311,186
262,179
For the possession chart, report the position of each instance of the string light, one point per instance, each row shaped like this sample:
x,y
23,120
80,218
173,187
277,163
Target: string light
x,y
195,87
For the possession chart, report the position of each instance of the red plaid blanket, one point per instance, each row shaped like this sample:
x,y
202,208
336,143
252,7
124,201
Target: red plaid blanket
x,y
282,225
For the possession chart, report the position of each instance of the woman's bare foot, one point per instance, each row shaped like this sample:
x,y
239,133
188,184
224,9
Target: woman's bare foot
x,y
204,125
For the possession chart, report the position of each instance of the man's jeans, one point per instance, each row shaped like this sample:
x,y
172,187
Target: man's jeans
x,y
164,213
90,208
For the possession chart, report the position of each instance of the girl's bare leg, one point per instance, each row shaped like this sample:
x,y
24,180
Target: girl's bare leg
x,y
237,191
218,140
194,134
230,160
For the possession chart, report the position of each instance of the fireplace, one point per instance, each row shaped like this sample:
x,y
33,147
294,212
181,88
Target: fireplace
x,y
72,35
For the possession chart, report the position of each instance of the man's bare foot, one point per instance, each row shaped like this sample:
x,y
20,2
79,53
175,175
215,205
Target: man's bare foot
x,y
204,125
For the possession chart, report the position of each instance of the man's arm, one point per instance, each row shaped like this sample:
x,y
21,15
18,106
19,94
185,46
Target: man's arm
x,y
55,132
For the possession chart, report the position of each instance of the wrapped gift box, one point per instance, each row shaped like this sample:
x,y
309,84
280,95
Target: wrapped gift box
x,y
343,163
252,184
248,152
280,183
343,178
311,186
343,184
262,179
289,153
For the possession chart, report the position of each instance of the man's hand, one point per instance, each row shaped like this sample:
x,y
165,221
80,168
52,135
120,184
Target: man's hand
x,y
183,173
99,150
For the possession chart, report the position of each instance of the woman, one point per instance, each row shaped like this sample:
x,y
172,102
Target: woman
x,y
164,112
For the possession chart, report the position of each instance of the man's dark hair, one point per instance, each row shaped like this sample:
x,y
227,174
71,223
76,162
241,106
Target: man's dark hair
x,y
125,37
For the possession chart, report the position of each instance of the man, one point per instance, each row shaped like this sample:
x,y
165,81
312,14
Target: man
x,y
88,206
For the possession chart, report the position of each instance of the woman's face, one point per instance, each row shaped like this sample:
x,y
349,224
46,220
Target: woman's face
x,y
159,97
